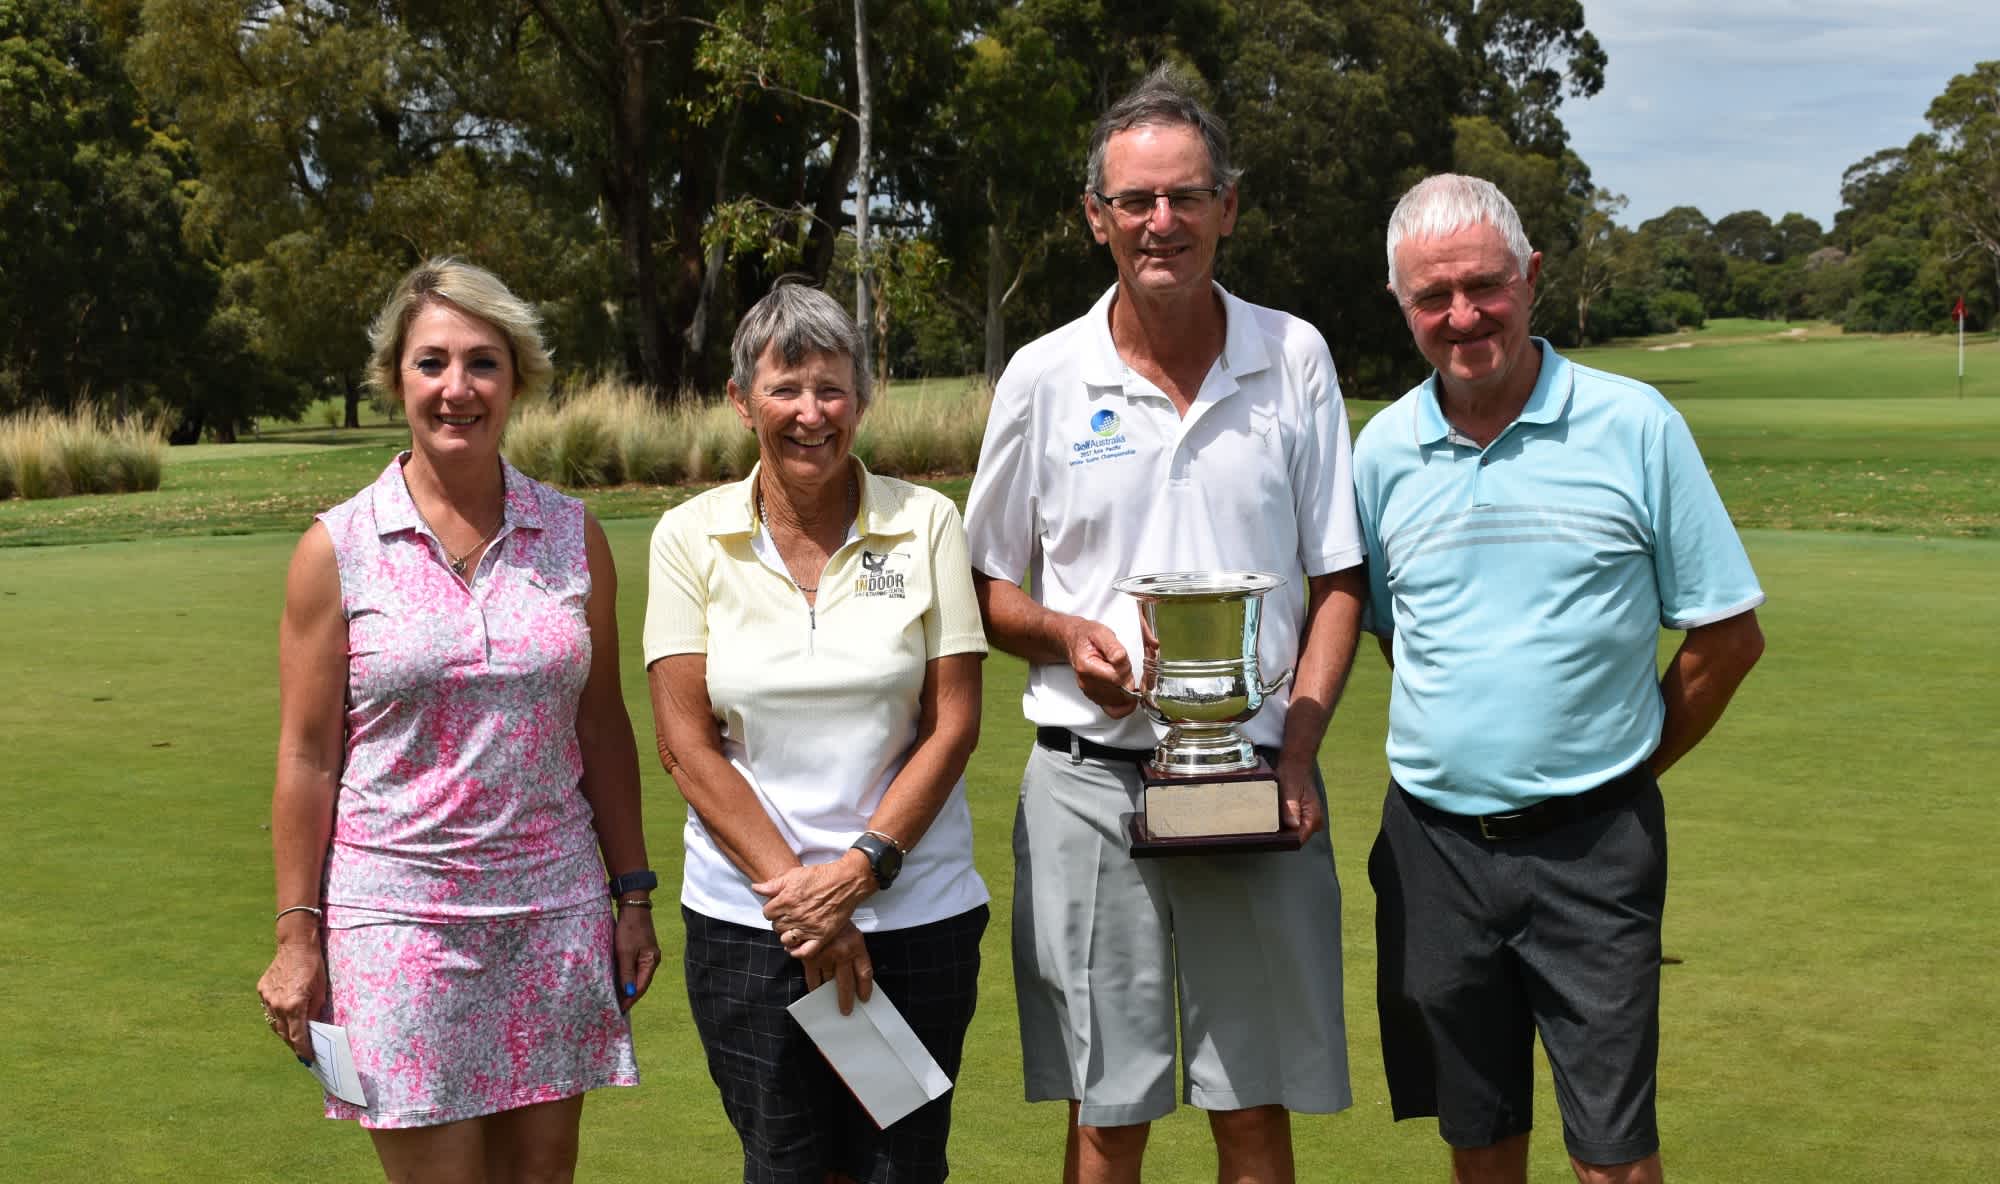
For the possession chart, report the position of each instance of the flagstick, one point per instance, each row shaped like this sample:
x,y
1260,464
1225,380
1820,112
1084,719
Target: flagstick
x,y
1961,354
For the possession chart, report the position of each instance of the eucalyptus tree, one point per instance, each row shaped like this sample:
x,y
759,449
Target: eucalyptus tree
x,y
99,295
339,143
1964,165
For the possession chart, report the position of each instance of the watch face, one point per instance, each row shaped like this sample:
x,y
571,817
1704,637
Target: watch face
x,y
884,859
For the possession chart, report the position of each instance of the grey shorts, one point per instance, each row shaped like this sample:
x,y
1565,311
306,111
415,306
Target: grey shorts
x,y
1107,948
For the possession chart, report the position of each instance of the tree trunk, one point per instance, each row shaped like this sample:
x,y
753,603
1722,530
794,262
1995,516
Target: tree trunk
x,y
715,257
619,75
629,185
864,116
826,211
881,338
996,290
188,430
351,397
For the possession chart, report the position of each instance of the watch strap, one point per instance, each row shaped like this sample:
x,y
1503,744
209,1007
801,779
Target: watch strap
x,y
643,880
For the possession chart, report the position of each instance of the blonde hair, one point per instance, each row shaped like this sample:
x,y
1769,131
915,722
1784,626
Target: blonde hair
x,y
446,279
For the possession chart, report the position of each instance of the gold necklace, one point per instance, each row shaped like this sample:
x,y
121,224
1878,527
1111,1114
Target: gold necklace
x,y
458,562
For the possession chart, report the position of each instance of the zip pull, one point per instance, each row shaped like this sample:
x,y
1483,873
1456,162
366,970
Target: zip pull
x,y
812,628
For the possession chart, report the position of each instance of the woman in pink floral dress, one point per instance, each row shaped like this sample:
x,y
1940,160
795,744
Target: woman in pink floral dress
x,y
456,773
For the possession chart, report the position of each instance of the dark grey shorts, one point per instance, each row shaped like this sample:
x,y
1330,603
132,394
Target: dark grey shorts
x,y
1483,943
796,1119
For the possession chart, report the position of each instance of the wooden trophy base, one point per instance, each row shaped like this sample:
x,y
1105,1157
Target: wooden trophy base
x,y
1210,814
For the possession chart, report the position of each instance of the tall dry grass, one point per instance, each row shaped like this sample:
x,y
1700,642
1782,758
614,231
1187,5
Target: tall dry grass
x,y
905,436
609,432
85,450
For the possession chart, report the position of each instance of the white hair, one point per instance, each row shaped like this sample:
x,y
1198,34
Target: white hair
x,y
1447,203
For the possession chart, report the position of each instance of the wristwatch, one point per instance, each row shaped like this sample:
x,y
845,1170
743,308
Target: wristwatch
x,y
642,880
885,858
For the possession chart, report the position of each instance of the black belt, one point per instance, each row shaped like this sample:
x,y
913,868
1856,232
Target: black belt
x,y
1545,815
1070,744
1065,741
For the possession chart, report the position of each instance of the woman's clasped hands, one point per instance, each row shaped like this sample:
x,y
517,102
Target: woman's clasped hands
x,y
811,908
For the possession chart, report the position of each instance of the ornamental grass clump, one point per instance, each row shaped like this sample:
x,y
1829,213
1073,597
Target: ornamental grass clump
x,y
719,447
48,454
605,431
909,433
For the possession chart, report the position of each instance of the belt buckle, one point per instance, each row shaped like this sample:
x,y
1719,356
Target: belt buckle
x,y
1486,831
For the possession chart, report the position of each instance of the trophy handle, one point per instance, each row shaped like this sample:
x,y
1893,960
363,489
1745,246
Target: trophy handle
x,y
1268,687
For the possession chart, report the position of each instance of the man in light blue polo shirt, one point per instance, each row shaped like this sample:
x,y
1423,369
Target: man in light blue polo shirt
x,y
1530,525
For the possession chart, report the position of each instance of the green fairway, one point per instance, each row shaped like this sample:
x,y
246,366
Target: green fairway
x,y
1831,895
1828,1015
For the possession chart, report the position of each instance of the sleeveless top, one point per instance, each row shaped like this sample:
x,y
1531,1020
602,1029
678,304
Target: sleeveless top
x,y
459,794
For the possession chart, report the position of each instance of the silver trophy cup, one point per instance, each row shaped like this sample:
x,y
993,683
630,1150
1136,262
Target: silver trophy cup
x,y
1201,676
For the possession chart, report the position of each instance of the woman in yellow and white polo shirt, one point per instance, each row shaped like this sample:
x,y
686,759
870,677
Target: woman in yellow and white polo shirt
x,y
813,649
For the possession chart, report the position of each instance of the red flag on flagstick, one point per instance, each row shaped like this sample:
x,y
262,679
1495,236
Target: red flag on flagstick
x,y
1958,310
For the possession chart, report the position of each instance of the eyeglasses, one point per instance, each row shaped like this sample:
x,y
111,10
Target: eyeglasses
x,y
1136,204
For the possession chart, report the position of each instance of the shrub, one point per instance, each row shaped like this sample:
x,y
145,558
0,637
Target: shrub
x,y
1674,309
606,432
45,454
912,436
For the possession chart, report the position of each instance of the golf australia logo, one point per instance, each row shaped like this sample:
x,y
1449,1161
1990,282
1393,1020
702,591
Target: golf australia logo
x,y
1104,442
881,575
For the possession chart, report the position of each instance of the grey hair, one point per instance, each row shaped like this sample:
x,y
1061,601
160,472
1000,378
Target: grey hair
x,y
1447,203
800,320
446,279
1163,99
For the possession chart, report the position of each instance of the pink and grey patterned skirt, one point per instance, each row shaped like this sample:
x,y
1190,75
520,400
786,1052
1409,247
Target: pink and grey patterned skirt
x,y
455,1021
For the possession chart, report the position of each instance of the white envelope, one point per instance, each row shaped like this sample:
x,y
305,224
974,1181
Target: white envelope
x,y
333,1063
874,1050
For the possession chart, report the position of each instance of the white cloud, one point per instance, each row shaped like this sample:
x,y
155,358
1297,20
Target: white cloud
x,y
1728,106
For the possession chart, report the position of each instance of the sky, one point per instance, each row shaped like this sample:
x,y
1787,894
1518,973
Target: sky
x,y
1731,105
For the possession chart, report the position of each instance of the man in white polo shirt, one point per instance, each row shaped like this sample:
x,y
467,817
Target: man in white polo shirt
x,y
1172,427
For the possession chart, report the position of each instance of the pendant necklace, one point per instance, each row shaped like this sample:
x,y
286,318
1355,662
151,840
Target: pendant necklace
x,y
458,563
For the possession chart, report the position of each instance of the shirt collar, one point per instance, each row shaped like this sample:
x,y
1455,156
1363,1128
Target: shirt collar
x,y
1243,348
396,511
1547,403
883,510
